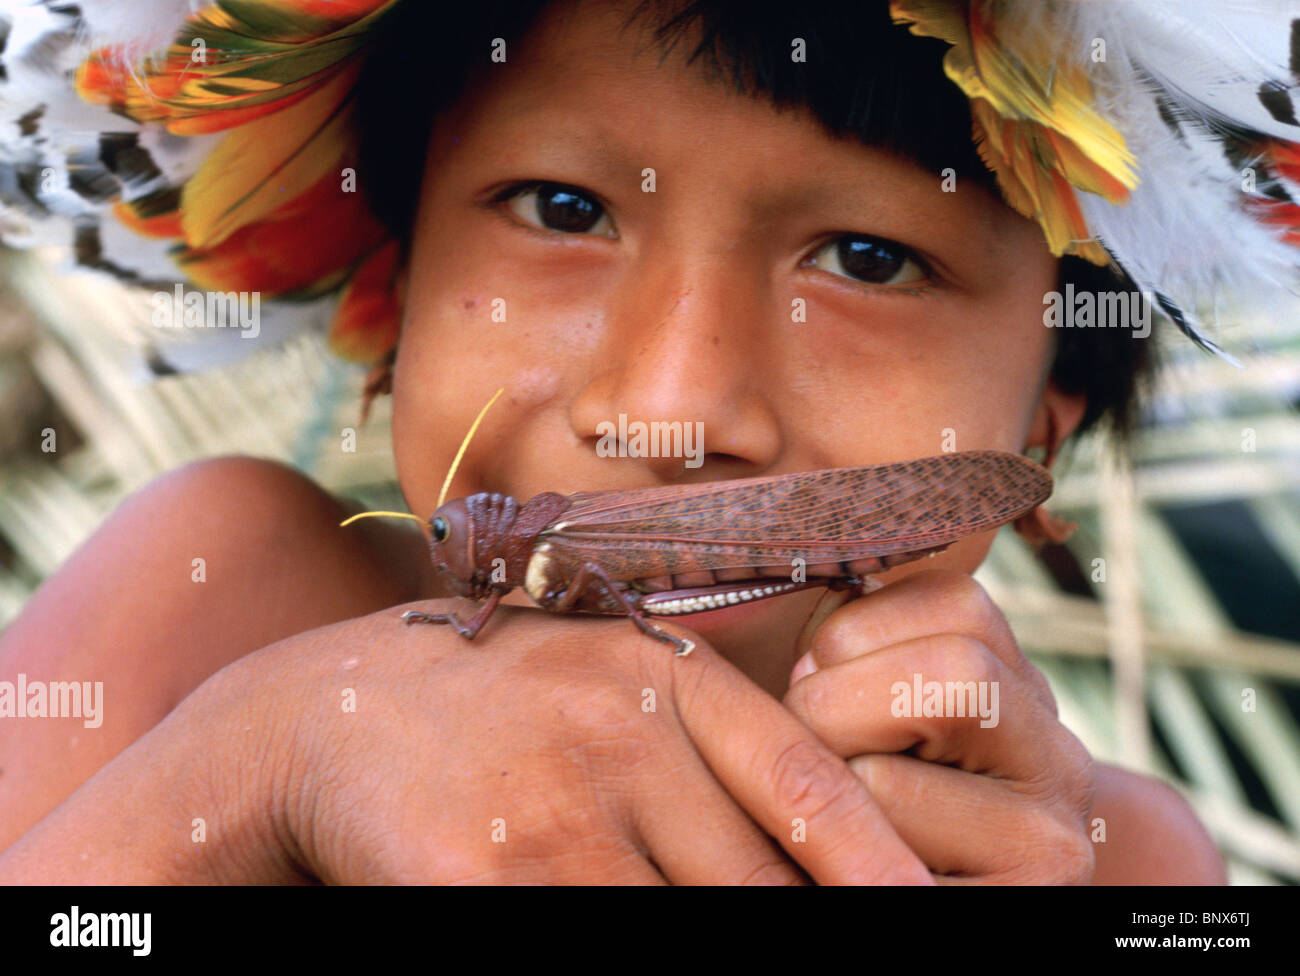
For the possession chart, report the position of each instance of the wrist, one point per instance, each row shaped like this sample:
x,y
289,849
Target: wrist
x,y
235,735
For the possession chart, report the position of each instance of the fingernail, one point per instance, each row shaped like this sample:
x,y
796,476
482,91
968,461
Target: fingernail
x,y
803,667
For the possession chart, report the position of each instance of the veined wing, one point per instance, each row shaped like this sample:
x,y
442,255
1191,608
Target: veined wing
x,y
835,515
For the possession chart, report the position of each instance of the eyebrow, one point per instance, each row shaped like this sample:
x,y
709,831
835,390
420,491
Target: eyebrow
x,y
601,148
592,146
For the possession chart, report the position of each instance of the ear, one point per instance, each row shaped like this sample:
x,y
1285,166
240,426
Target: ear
x,y
1057,415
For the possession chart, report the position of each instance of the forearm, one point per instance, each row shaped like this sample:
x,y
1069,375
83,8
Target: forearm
x,y
189,802
124,826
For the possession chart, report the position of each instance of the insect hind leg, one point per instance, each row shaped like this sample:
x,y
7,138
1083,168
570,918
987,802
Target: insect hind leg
x,y
591,576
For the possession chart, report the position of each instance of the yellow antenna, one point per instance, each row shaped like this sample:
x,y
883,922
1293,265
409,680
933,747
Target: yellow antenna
x,y
450,474
465,443
361,515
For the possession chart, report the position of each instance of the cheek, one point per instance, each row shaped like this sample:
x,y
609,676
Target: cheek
x,y
453,355
959,368
478,318
991,401
951,383
419,441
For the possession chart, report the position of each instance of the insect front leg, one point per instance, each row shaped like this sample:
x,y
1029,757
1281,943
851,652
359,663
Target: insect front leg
x,y
863,584
591,576
469,629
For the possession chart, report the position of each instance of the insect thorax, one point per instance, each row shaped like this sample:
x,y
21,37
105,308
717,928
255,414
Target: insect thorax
x,y
505,530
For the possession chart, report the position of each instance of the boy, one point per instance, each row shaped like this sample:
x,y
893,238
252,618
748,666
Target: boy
x,y
530,755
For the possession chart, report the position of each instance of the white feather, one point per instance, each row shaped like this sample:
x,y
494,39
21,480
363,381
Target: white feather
x,y
1215,57
179,157
1184,233
41,53
142,26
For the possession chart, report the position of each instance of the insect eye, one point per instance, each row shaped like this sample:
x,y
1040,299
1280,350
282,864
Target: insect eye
x,y
440,530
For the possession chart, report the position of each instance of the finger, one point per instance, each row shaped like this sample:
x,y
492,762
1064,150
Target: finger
x,y
593,867
711,841
583,865
971,828
945,697
923,603
794,788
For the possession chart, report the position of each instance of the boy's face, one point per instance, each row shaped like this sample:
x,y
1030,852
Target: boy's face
x,y
676,305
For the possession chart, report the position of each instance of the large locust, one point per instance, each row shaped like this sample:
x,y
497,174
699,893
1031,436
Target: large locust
x,y
678,550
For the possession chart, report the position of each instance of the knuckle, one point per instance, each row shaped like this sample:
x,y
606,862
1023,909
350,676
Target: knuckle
x,y
1076,860
1045,849
963,595
974,605
1067,775
776,871
966,671
808,781
1081,782
975,612
600,704
960,657
606,723
570,827
588,714
1042,687
837,636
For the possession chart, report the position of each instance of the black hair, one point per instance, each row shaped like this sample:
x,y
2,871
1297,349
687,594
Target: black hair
x,y
864,78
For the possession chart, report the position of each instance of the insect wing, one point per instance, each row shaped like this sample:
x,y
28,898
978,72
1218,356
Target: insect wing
x,y
841,514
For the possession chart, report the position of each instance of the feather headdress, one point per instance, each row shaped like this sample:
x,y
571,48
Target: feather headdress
x,y
263,89
1161,136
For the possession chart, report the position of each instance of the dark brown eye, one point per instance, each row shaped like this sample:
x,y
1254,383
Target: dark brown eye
x,y
440,529
872,260
557,207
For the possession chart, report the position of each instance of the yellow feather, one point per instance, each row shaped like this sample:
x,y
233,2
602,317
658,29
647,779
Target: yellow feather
x,y
1033,115
1015,151
263,164
1044,92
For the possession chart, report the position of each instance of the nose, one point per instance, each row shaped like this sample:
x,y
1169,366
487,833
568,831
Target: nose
x,y
685,344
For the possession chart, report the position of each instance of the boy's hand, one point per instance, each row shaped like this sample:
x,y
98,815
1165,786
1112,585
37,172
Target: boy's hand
x,y
558,749
372,751
1004,803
